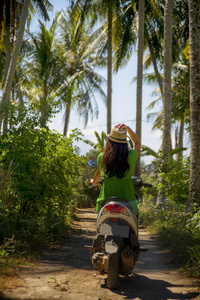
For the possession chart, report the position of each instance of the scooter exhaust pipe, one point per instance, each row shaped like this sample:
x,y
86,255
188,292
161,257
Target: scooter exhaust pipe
x,y
127,261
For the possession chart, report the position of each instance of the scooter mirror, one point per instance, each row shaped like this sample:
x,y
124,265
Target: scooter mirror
x,y
92,163
150,168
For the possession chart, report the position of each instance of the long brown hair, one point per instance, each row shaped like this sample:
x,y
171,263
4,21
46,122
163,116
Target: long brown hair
x,y
115,157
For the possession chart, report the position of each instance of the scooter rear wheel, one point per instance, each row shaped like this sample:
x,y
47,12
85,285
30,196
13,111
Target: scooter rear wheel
x,y
113,271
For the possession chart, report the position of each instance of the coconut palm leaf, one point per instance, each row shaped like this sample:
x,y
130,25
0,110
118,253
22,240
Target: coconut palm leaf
x,y
78,49
146,151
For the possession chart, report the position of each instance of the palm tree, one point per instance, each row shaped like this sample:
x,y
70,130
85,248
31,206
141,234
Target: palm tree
x,y
154,35
166,142
194,39
109,68
111,11
154,22
180,100
9,6
167,102
180,96
79,52
13,62
139,78
43,71
125,41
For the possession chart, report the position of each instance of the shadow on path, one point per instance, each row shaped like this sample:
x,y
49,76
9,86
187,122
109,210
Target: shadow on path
x,y
70,263
144,288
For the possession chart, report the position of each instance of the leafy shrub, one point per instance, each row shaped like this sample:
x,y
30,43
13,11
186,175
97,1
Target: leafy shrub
x,y
89,196
150,192
10,248
178,230
41,175
193,264
177,180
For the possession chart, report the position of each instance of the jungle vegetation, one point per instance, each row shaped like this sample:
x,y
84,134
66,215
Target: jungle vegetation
x,y
43,176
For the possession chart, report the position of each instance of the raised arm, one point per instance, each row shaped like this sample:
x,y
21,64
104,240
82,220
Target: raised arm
x,y
132,135
97,176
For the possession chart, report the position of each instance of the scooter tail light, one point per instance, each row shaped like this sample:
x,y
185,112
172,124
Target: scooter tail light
x,y
114,209
114,220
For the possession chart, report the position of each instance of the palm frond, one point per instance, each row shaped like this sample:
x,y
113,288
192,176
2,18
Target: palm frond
x,y
146,151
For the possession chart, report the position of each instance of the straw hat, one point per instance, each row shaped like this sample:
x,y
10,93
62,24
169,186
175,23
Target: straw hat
x,y
118,135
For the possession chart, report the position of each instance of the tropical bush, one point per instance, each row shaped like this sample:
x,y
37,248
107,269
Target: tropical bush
x,y
89,194
41,173
175,180
177,230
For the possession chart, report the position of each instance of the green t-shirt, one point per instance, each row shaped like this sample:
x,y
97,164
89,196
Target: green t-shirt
x,y
122,188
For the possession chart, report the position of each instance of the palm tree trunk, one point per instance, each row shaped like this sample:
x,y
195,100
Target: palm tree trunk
x,y
67,116
1,15
7,62
176,137
194,42
159,79
8,51
139,80
109,69
180,137
13,62
167,102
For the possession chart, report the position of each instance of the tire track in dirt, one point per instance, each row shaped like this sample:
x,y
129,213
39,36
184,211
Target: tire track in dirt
x,y
65,271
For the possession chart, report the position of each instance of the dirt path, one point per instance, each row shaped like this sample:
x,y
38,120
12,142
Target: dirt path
x,y
65,272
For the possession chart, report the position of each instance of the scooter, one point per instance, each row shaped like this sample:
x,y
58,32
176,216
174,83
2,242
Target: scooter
x,y
115,248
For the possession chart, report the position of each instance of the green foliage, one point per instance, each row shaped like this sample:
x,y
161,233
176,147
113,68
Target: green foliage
x,y
172,176
146,151
178,230
150,192
10,248
101,141
41,174
194,262
42,71
176,179
88,194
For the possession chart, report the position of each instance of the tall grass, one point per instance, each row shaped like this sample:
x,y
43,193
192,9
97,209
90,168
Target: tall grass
x,y
177,230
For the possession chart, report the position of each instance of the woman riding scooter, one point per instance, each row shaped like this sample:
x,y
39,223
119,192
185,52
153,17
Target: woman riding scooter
x,y
116,164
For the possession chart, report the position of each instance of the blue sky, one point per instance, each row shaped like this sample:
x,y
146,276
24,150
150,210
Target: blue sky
x,y
123,104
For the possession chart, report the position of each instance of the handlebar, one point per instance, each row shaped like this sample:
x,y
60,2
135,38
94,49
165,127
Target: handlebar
x,y
147,184
136,181
90,185
100,181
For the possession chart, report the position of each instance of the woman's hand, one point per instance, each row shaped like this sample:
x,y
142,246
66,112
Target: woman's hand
x,y
93,183
97,177
122,125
